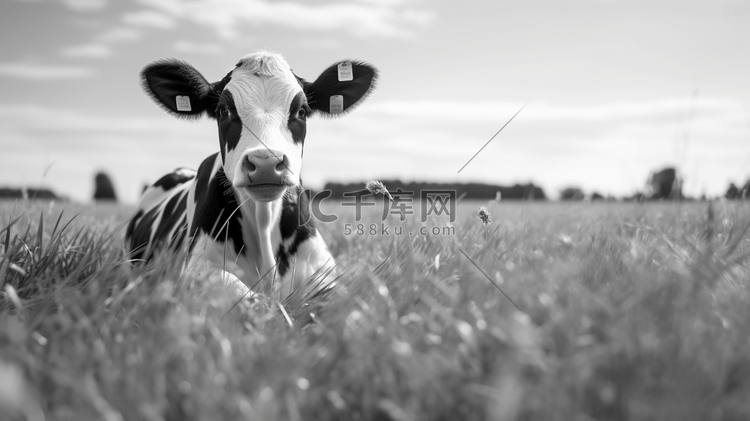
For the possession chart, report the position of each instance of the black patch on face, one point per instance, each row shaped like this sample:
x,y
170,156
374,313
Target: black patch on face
x,y
230,126
169,181
216,213
298,112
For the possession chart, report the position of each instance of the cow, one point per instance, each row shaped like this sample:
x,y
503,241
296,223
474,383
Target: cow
x,y
243,215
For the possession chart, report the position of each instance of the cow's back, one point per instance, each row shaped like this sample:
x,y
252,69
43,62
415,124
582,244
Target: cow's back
x,y
161,218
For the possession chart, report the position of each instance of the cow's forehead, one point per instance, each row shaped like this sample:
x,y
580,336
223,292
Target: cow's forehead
x,y
259,75
264,63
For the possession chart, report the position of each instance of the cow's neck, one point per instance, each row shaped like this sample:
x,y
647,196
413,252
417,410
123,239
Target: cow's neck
x,y
261,236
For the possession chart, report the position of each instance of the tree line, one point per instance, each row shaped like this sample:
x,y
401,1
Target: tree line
x,y
665,184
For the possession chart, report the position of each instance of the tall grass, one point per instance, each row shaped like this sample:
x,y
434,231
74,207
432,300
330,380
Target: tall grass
x,y
625,312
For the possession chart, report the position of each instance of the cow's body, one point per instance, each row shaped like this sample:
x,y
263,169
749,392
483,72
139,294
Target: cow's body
x,y
242,214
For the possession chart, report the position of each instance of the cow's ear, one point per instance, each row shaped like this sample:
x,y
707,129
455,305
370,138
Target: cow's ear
x,y
179,88
341,87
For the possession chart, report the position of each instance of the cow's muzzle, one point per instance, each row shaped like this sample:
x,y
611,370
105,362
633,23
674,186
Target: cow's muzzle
x,y
266,174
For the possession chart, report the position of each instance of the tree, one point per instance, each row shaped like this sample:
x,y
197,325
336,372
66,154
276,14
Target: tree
x,y
664,184
744,193
104,189
732,192
572,193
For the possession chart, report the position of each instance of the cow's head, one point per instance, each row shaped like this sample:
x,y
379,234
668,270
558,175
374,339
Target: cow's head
x,y
261,108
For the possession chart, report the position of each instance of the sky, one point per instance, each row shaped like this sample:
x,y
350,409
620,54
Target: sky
x,y
613,89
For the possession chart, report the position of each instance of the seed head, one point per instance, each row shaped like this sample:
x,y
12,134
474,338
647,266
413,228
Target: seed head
x,y
376,187
485,216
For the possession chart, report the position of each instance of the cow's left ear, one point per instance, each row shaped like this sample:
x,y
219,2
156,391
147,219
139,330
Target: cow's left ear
x,y
179,88
341,87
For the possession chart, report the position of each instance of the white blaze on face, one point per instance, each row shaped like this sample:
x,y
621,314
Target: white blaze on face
x,y
263,88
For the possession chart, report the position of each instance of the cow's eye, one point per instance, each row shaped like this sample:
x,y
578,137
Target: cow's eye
x,y
223,112
301,113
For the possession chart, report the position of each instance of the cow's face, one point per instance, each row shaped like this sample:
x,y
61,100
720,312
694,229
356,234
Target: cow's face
x,y
261,109
262,117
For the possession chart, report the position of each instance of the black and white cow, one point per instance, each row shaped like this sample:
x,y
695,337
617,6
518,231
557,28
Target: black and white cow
x,y
242,212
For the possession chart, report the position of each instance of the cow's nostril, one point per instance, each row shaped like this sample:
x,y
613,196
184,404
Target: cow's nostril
x,y
282,165
249,166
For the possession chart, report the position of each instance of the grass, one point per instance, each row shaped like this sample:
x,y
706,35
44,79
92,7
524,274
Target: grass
x,y
627,312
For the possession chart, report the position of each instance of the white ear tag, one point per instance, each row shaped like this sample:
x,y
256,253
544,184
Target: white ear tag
x,y
337,104
183,103
345,72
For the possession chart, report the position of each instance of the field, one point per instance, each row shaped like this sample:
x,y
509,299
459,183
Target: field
x,y
613,312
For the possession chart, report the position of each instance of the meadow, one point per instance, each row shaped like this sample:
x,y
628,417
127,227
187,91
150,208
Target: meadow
x,y
554,311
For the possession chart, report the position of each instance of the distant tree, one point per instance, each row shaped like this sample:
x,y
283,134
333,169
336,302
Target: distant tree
x,y
732,192
744,192
465,190
596,196
664,184
27,193
572,193
104,189
635,197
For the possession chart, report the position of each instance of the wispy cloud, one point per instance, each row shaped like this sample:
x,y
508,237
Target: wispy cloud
x,y
119,34
133,149
149,18
77,5
320,43
198,47
35,118
227,17
664,110
92,50
30,71
608,146
101,46
85,5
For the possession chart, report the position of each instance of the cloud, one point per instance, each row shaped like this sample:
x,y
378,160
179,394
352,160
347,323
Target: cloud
x,y
149,18
135,149
226,17
609,147
85,5
37,119
101,46
78,5
320,43
198,48
667,111
92,50
30,71
119,34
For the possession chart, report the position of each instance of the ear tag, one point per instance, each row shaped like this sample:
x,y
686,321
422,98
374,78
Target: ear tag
x,y
336,105
183,103
345,71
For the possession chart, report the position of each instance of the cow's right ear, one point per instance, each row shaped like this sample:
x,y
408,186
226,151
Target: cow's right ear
x,y
179,88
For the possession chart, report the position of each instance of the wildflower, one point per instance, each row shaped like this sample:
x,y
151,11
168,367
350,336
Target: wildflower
x,y
485,216
376,187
